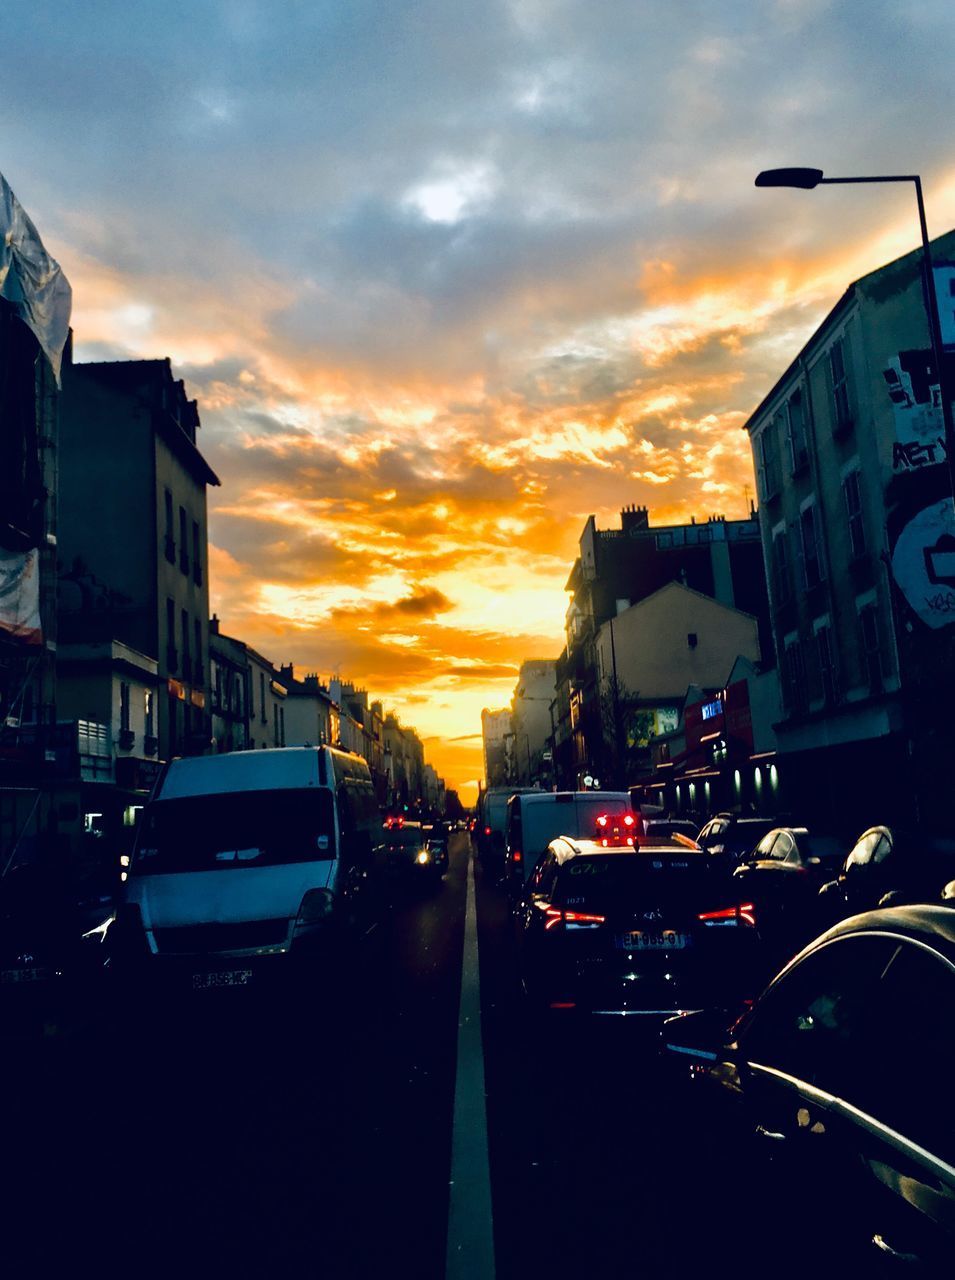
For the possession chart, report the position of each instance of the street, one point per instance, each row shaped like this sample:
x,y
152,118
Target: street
x,y
243,1140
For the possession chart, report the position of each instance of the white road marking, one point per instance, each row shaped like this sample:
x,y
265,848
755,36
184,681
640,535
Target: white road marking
x,y
470,1254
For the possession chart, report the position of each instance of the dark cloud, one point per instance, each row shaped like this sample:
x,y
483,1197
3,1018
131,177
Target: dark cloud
x,y
423,603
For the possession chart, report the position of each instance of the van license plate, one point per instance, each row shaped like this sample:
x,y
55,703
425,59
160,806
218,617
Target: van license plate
x,y
221,978
664,940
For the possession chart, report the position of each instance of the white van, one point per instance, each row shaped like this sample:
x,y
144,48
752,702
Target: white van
x,y
250,856
533,821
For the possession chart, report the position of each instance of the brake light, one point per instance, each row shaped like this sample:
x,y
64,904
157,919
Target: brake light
x,y
615,829
744,913
516,855
487,831
555,916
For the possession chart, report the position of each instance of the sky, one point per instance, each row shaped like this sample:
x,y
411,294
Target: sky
x,y
446,278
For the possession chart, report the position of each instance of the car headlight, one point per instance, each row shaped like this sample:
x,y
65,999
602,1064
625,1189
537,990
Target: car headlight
x,y
423,857
317,905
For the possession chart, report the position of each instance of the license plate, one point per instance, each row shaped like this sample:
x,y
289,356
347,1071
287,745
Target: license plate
x,y
221,978
662,940
25,975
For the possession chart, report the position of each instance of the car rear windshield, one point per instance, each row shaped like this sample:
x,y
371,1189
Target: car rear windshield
x,y
236,829
404,838
619,881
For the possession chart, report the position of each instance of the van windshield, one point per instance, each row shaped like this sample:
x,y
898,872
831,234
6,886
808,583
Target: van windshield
x,y
235,829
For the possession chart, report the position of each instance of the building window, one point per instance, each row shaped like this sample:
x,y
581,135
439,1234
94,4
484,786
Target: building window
x,y
814,570
170,540
796,433
827,671
172,657
148,714
871,655
124,706
196,555
183,543
262,714
281,711
173,704
217,678
795,675
853,497
782,569
768,462
839,380
197,652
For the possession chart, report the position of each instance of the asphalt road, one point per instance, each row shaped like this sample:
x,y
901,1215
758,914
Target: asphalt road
x,y
321,1142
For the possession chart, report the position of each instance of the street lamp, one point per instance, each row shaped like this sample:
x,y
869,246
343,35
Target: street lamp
x,y
807,180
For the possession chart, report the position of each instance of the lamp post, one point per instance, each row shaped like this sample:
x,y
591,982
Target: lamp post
x,y
807,180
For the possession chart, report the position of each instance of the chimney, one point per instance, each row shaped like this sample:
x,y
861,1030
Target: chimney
x,y
214,625
634,518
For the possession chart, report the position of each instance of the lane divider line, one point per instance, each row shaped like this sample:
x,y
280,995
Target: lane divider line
x,y
470,1251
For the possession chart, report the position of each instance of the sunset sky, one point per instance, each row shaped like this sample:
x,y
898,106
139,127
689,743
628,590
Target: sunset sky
x,y
448,277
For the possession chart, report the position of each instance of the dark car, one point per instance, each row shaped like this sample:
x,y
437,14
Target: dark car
x,y
888,867
407,854
633,930
781,877
842,1072
730,835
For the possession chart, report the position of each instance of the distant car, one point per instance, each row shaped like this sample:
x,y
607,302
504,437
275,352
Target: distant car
x,y
841,1073
729,836
406,853
641,930
888,867
781,876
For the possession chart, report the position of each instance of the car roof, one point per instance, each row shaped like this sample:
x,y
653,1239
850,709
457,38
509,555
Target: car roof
x,y
930,923
565,797
566,848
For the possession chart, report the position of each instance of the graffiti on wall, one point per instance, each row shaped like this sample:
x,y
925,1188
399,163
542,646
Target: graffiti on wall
x,y
923,564
913,389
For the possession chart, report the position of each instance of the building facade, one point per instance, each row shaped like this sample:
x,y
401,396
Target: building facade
x,y
532,723
496,733
133,515
615,570
858,531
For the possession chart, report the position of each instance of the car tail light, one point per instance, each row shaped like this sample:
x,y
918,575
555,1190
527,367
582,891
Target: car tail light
x,y
487,831
744,913
517,856
555,916
316,906
615,829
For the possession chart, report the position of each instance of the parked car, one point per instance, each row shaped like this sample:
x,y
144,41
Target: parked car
x,y
664,828
643,930
781,877
842,1072
731,835
534,819
886,867
251,868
